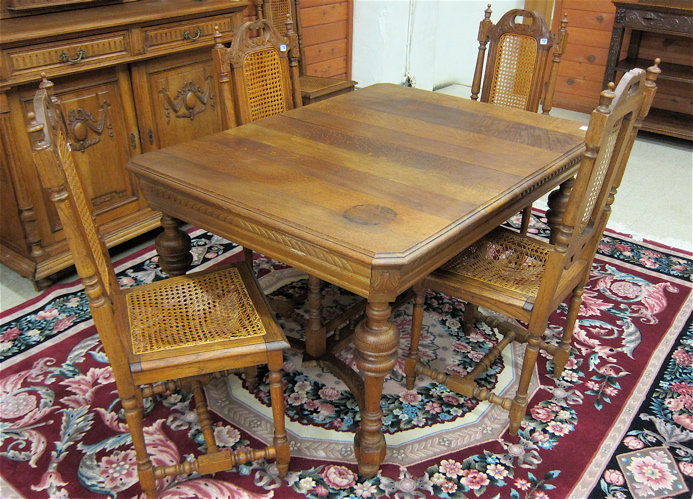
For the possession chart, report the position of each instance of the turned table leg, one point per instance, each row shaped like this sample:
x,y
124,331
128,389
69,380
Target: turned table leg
x,y
377,341
173,246
316,336
557,203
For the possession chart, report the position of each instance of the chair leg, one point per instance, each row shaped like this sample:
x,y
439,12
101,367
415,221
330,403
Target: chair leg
x,y
526,217
416,324
203,418
519,404
134,411
280,441
562,353
248,256
471,312
251,377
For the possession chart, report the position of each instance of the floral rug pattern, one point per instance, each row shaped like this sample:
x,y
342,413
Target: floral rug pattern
x,y
61,433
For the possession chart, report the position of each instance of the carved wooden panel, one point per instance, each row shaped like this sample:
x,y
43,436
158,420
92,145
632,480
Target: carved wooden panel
x,y
99,131
177,99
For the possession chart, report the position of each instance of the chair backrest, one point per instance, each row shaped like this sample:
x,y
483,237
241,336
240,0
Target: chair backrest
x,y
517,51
608,142
59,176
262,68
278,12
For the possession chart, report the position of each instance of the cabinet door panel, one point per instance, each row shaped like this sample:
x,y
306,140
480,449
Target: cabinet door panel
x,y
176,99
102,135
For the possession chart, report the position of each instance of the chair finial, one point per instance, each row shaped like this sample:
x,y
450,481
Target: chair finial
x,y
654,71
605,97
217,37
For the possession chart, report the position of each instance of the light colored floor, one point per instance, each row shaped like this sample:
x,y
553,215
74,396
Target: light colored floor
x,y
655,200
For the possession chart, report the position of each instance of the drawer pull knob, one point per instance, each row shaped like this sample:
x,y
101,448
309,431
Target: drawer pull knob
x,y
65,57
188,36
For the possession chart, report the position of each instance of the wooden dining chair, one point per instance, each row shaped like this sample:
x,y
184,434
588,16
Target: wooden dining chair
x,y
175,334
525,278
313,88
512,62
513,58
258,73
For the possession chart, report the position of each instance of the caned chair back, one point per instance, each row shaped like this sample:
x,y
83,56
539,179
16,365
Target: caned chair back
x,y
262,67
519,48
518,277
278,12
608,142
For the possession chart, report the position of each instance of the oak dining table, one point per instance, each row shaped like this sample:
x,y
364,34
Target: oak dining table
x,y
370,191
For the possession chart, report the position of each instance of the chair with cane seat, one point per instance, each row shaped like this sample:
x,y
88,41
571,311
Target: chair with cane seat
x,y
174,334
258,74
513,58
524,278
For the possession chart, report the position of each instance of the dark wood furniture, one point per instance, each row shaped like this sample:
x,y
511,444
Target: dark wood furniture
x,y
643,30
132,77
179,333
370,190
523,278
313,88
518,59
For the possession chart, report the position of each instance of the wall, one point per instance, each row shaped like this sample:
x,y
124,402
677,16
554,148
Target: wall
x,y
581,72
443,35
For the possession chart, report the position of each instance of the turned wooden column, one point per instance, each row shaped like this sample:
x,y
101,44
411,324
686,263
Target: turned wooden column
x,y
173,246
377,341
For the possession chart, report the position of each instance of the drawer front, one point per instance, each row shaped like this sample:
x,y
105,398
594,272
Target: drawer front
x,y
186,34
664,21
68,55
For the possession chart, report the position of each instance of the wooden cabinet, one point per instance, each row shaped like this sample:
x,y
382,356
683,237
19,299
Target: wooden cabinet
x,y
132,77
644,30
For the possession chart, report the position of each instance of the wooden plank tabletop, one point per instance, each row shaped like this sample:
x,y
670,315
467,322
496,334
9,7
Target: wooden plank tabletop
x,y
378,172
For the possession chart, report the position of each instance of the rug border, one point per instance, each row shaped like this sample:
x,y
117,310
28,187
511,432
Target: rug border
x,y
591,475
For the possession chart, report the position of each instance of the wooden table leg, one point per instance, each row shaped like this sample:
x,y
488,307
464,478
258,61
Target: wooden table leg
x,y
316,335
173,246
377,342
557,203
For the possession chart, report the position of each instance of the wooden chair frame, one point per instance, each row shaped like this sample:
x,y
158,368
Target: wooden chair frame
x,y
258,73
525,278
153,335
532,44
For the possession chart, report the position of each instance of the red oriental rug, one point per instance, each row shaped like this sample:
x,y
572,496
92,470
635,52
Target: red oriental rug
x,y
618,424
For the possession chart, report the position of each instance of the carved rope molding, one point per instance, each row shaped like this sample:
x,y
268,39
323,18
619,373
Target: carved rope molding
x,y
290,242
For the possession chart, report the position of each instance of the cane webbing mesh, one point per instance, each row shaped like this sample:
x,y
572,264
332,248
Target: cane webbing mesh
x,y
504,259
515,60
280,10
601,168
194,310
263,78
86,219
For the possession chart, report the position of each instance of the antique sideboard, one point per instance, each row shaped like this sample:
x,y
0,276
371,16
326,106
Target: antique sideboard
x,y
643,30
133,76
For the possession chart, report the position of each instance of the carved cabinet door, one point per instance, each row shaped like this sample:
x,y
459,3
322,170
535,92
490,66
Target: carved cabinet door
x,y
176,99
102,131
